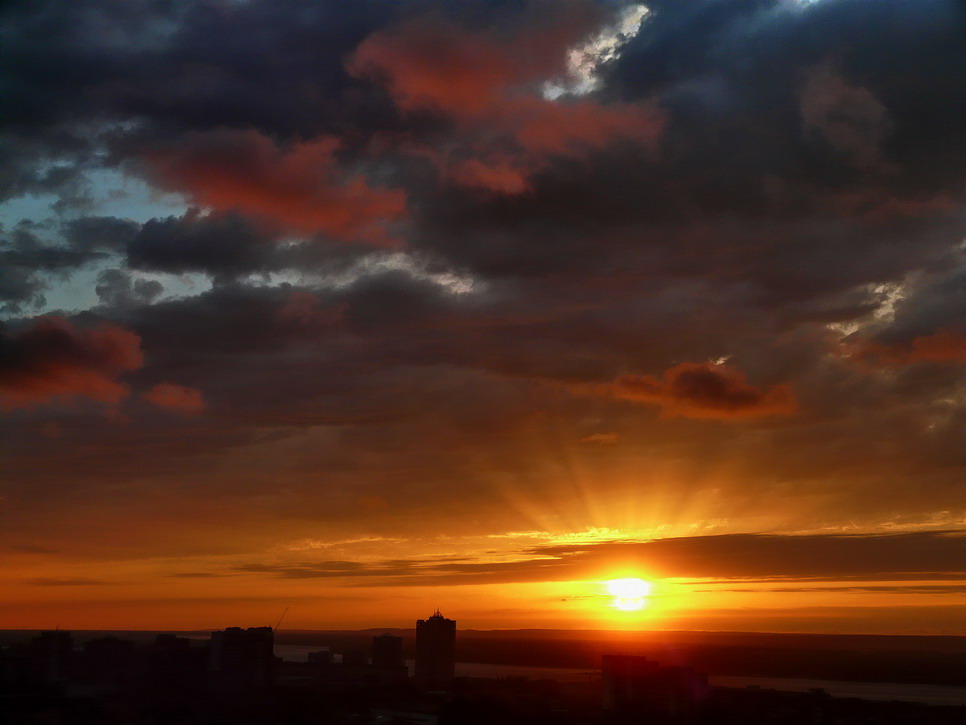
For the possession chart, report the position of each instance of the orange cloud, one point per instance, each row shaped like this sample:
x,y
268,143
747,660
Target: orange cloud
x,y
299,188
434,64
945,346
603,439
505,128
498,175
552,127
700,390
53,358
176,398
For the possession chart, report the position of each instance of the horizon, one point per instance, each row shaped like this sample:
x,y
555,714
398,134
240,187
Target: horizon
x,y
593,315
641,632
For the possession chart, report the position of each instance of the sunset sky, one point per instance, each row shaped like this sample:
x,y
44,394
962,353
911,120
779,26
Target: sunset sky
x,y
368,307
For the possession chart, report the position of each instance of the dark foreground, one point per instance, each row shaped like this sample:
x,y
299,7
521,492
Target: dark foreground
x,y
179,681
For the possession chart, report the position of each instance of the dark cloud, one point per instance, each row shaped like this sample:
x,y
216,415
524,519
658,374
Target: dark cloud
x,y
100,232
700,390
219,245
203,65
931,554
27,263
52,358
927,589
115,288
926,555
20,287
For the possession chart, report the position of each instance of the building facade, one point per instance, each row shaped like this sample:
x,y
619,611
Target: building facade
x,y
242,659
436,648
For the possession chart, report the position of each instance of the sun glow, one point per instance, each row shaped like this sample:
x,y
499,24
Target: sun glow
x,y
630,595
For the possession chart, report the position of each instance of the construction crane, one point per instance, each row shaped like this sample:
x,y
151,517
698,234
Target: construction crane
x,y
279,622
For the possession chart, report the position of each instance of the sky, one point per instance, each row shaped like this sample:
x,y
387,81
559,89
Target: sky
x,y
364,308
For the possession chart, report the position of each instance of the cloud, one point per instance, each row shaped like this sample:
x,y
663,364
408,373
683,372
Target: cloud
x,y
219,244
100,232
436,64
299,187
923,556
699,390
492,90
736,184
115,288
31,549
58,582
850,118
945,346
27,261
175,398
601,439
745,556
305,309
909,588
53,359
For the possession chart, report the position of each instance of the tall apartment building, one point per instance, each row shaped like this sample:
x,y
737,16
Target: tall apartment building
x,y
242,659
436,648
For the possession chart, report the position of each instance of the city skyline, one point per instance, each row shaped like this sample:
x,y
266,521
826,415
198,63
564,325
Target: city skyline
x,y
585,314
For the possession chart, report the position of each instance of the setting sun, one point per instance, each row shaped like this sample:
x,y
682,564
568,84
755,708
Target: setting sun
x,y
630,595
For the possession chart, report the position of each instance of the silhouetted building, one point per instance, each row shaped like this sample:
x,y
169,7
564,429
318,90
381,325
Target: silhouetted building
x,y
355,656
388,665
171,643
15,674
639,687
107,658
242,659
436,648
51,655
322,657
387,651
175,666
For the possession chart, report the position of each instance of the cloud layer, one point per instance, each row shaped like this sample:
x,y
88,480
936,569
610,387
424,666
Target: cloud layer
x,y
382,269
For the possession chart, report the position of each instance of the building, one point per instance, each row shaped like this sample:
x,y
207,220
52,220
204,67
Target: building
x,y
175,666
387,651
108,659
51,656
242,659
639,687
436,648
322,657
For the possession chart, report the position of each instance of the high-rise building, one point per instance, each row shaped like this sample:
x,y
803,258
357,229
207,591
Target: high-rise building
x,y
174,666
634,685
436,648
242,659
387,651
51,655
108,659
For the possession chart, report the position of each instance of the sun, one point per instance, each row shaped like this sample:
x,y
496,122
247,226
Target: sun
x,y
630,595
